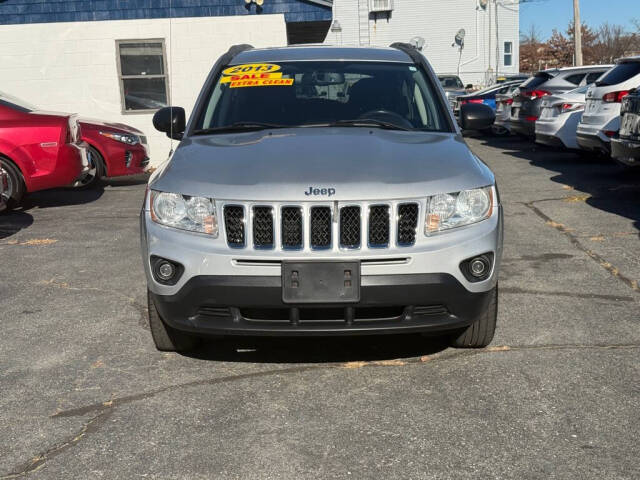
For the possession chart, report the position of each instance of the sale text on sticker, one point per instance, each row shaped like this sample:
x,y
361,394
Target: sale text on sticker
x,y
254,75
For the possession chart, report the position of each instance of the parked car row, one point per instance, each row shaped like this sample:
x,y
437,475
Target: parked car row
x,y
487,96
42,150
592,108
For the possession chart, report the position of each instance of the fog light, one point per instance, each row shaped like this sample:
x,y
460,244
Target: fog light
x,y
478,267
166,271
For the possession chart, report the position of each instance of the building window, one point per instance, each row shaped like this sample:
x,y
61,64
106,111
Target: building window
x,y
508,54
142,68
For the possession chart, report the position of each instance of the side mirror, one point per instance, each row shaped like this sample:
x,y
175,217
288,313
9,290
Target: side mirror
x,y
469,86
170,120
476,116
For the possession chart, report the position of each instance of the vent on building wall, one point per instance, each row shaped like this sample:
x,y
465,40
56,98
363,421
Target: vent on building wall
x,y
380,5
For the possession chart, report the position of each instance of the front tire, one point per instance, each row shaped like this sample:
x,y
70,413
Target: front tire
x,y
167,339
96,171
17,187
480,333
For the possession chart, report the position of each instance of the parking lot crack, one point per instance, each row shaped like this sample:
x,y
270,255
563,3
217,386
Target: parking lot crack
x,y
101,411
38,461
574,240
444,355
594,296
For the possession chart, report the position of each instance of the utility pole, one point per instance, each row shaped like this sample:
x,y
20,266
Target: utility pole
x,y
497,41
577,32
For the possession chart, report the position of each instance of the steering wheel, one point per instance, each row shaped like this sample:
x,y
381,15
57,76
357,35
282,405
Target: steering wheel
x,y
386,116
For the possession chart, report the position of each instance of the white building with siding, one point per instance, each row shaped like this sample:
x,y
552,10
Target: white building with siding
x,y
120,61
491,32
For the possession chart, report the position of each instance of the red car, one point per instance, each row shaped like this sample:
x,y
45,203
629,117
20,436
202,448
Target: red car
x,y
114,150
38,150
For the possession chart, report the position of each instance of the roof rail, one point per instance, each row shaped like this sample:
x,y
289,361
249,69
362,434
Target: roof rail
x,y
409,49
235,50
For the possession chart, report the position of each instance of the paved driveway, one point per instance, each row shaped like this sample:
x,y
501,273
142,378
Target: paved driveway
x,y
557,395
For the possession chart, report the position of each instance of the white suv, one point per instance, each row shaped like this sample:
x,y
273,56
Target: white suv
x,y
601,118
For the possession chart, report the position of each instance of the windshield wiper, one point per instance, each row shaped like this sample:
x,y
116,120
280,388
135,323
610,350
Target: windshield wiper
x,y
239,127
368,122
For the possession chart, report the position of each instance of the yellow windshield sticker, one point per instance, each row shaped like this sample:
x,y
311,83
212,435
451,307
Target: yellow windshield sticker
x,y
262,82
251,68
250,76
254,75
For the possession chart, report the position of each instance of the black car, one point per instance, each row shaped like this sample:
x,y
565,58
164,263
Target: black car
x,y
486,96
625,147
526,105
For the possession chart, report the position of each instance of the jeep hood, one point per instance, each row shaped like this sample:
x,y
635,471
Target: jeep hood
x,y
358,163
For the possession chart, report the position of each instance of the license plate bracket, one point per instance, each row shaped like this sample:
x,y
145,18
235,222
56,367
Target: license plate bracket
x,y
320,282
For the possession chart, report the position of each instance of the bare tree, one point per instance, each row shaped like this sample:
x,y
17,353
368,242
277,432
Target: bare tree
x,y
614,42
531,36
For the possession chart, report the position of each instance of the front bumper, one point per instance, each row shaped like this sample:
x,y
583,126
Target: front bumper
x,y
626,151
231,291
123,160
241,305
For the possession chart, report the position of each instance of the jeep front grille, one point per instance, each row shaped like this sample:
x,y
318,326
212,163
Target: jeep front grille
x,y
292,230
379,226
234,224
322,226
407,223
263,227
350,227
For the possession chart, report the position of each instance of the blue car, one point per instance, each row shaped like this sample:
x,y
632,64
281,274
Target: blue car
x,y
487,95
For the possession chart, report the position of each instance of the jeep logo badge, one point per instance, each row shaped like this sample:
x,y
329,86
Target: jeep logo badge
x,y
320,191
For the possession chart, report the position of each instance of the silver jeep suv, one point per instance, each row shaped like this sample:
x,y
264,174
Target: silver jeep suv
x,y
321,191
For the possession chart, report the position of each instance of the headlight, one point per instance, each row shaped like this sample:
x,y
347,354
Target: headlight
x,y
196,214
128,138
450,210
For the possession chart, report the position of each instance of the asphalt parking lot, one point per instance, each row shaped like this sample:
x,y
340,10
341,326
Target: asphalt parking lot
x,y
557,395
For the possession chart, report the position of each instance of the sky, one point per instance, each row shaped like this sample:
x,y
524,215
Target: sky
x,y
549,14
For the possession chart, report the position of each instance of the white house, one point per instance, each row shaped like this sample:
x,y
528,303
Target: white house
x,y
491,32
121,60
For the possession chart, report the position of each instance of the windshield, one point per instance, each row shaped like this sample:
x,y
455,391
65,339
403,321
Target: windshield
x,y
620,73
15,103
450,82
538,79
323,93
